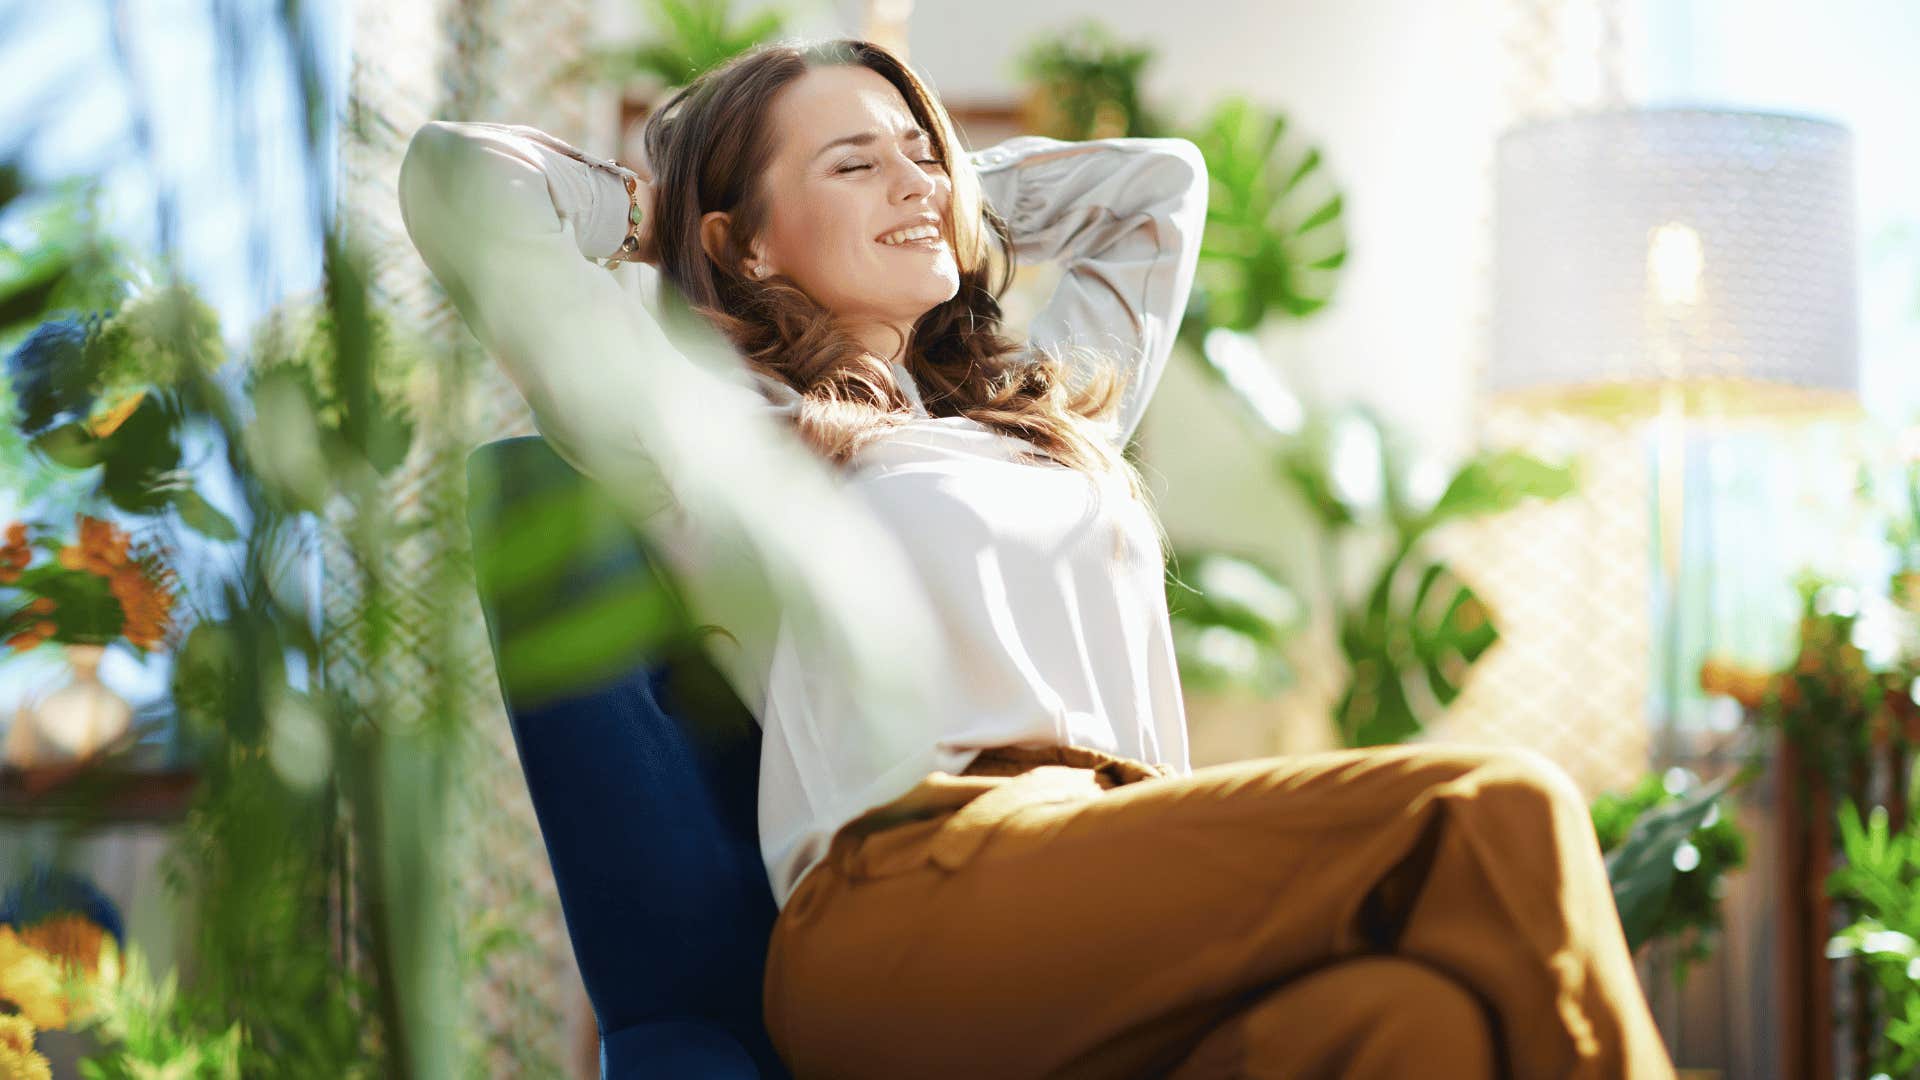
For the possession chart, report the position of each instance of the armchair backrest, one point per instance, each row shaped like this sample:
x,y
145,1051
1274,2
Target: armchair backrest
x,y
648,815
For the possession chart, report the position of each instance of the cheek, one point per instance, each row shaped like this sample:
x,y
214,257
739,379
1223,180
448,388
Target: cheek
x,y
823,245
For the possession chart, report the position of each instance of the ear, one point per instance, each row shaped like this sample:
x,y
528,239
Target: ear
x,y
713,240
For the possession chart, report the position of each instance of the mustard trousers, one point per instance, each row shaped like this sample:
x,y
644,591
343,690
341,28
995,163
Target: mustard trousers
x,y
1431,911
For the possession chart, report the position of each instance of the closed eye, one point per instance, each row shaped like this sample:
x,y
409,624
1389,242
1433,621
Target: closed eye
x,y
856,168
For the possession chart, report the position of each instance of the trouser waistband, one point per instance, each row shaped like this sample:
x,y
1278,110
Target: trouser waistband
x,y
1111,770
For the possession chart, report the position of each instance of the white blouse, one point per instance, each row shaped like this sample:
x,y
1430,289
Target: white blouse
x,y
991,602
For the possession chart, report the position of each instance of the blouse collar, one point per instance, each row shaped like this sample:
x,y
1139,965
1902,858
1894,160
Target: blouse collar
x,y
904,380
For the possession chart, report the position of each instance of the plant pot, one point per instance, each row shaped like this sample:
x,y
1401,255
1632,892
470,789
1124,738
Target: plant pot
x,y
72,723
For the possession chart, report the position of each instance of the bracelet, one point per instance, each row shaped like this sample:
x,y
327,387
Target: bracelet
x,y
629,244
629,250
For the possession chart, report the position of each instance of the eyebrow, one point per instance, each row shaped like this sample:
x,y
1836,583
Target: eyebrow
x,y
866,137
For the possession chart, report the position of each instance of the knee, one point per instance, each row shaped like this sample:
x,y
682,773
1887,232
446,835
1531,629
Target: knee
x,y
1521,770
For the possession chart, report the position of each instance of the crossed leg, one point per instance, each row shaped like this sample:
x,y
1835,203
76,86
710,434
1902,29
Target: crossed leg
x,y
1108,935
1371,1018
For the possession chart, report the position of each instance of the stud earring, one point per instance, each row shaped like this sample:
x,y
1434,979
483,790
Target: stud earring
x,y
761,271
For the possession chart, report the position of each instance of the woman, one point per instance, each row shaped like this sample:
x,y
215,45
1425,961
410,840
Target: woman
x,y
990,853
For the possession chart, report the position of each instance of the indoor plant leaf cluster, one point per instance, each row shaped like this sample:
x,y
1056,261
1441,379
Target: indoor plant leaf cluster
x,y
696,35
1881,879
1669,845
1084,83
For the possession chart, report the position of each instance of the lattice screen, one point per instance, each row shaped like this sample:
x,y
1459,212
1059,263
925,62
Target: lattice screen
x,y
1567,582
485,60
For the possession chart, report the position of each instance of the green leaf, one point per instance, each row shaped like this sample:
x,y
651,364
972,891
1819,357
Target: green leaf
x,y
1375,710
624,622
1642,869
200,516
70,445
1275,236
1498,481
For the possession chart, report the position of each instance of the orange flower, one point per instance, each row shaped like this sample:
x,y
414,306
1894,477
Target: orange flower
x,y
41,605
140,580
8,575
15,553
68,938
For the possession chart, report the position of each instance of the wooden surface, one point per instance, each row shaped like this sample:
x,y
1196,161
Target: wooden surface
x,y
105,796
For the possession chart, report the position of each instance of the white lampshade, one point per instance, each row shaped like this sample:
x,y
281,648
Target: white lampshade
x,y
1646,252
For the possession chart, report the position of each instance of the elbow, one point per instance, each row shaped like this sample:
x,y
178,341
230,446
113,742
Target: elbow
x,y
456,178
1192,180
1180,174
1192,163
421,184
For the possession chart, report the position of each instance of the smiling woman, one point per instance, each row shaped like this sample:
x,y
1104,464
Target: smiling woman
x,y
1044,580
1012,791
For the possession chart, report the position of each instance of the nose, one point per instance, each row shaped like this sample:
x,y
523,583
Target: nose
x,y
915,182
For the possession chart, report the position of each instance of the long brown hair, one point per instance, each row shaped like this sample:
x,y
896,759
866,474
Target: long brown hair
x,y
710,142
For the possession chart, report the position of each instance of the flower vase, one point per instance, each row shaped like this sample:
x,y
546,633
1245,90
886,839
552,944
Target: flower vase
x,y
72,723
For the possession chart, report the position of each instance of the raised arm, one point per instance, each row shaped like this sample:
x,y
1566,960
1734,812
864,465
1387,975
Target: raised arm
x,y
1124,216
752,524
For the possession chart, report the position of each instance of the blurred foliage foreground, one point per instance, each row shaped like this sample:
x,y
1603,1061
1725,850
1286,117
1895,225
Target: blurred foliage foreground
x,y
312,866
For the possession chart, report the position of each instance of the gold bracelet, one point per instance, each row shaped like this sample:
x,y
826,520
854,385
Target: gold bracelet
x,y
629,249
630,244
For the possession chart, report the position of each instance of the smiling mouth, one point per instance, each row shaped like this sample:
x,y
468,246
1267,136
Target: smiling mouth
x,y
934,243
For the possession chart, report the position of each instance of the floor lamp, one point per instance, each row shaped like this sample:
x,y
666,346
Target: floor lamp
x,y
1675,267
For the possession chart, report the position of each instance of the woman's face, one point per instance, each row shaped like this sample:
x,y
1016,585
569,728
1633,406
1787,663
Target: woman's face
x,y
850,166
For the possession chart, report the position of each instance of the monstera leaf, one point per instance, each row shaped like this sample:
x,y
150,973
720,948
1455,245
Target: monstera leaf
x,y
1275,240
1410,648
1421,628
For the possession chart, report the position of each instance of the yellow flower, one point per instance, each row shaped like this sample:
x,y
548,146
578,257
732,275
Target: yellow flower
x,y
109,421
31,980
18,1060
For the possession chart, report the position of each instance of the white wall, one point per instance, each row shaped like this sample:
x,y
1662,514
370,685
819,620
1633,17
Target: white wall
x,y
1403,99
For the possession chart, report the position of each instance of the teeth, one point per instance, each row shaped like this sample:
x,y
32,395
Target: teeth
x,y
918,232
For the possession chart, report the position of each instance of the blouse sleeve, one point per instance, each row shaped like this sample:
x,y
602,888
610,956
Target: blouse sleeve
x,y
676,430
1124,216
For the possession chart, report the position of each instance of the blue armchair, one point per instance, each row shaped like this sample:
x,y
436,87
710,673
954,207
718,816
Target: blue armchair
x,y
648,818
